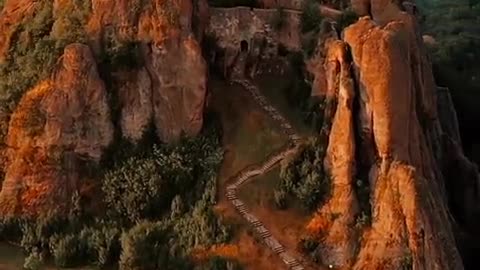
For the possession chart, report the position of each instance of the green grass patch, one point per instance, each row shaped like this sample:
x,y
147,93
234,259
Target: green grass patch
x,y
258,146
251,134
259,191
276,90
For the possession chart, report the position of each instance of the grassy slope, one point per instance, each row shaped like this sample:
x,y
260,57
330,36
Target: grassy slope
x,y
249,136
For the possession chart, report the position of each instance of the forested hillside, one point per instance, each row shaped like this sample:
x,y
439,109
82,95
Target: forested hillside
x,y
455,26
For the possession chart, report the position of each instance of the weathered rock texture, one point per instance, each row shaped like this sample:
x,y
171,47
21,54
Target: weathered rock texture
x,y
172,57
61,121
11,16
336,219
407,143
135,96
409,207
232,25
179,89
66,121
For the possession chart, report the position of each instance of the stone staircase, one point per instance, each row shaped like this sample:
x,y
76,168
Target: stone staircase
x,y
245,175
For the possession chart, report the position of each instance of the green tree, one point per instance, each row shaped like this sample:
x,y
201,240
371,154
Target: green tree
x,y
67,250
177,207
145,246
304,177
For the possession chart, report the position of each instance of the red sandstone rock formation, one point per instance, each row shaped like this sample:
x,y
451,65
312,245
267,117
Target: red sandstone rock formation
x,y
405,146
62,120
177,72
135,95
66,118
13,13
338,215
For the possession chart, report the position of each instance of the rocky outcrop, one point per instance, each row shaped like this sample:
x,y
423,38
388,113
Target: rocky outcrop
x,y
60,122
173,73
64,121
408,200
337,216
135,97
179,89
407,147
13,13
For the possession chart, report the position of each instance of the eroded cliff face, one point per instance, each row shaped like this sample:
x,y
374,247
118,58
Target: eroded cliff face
x,y
336,219
171,57
63,120
70,118
401,144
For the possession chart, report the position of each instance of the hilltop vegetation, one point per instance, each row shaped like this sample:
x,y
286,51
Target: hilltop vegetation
x,y
455,25
157,209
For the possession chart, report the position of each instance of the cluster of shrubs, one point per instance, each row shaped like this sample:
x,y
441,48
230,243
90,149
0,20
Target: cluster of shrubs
x,y
309,245
456,59
303,178
36,45
158,209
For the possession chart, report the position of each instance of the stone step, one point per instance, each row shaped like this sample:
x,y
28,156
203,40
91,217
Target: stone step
x,y
293,263
265,234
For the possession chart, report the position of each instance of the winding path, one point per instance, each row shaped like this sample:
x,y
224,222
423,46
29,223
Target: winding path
x,y
247,174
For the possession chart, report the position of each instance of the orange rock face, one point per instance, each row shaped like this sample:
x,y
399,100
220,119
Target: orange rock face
x,y
62,120
135,95
407,147
66,118
337,247
13,13
174,73
179,90
408,199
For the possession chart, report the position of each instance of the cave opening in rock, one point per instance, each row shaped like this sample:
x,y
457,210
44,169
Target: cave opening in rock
x,y
244,46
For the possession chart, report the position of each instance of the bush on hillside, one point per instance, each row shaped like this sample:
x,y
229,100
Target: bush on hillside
x,y
181,203
143,187
146,246
304,178
456,58
33,262
103,242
